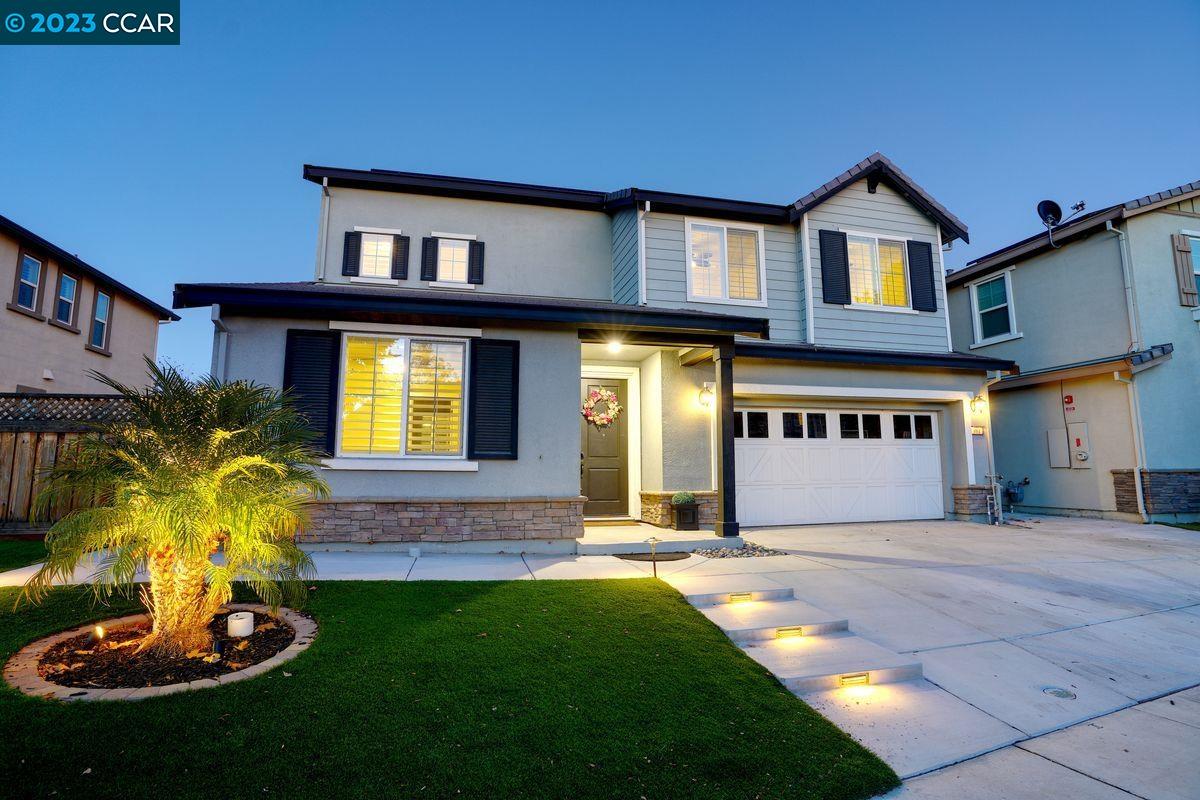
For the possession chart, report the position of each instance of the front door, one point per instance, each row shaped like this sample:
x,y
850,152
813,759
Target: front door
x,y
604,472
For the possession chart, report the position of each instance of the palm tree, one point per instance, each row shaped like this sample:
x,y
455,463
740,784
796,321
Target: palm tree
x,y
202,468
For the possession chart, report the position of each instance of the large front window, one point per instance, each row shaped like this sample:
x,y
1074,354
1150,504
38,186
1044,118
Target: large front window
x,y
725,263
878,272
402,396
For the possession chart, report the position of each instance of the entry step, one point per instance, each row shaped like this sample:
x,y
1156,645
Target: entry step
x,y
755,622
814,663
718,589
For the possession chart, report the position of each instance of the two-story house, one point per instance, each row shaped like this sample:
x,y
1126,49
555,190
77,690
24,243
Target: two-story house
x,y
1105,323
787,363
65,318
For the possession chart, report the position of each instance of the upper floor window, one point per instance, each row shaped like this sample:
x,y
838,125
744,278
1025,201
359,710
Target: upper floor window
x,y
402,396
64,304
452,260
992,312
376,258
878,271
725,263
29,282
1195,240
101,315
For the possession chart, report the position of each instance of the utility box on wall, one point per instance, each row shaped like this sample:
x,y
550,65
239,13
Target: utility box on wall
x,y
1056,444
1079,445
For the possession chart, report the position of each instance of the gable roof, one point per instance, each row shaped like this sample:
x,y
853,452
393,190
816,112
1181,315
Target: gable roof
x,y
875,167
878,167
1077,228
75,263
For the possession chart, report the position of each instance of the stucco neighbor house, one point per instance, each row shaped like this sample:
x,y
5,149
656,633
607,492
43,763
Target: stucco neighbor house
x,y
788,363
64,318
1106,327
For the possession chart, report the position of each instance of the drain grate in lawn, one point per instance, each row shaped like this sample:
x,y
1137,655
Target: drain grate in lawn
x,y
519,689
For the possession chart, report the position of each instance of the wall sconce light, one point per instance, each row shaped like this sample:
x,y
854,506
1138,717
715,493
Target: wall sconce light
x,y
979,404
707,395
614,345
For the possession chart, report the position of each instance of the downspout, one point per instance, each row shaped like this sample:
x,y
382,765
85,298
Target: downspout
x,y
220,344
997,491
323,229
1135,344
641,223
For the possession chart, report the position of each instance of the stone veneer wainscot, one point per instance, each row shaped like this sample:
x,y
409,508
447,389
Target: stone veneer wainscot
x,y
1167,491
656,507
370,520
971,502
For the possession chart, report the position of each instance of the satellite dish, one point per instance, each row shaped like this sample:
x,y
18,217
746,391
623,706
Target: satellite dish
x,y
1050,212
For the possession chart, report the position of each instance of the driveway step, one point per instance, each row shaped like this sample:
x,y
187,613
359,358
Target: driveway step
x,y
813,663
753,622
717,589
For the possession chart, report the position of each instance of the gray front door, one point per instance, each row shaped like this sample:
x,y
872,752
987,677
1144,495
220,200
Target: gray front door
x,y
604,474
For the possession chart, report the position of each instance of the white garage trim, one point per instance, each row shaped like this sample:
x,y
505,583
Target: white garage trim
x,y
864,392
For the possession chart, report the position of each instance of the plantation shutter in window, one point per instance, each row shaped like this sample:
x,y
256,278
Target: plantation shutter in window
x,y
492,408
310,376
429,258
475,263
920,276
351,253
835,267
399,257
1185,269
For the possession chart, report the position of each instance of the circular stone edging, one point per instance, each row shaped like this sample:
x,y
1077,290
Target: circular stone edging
x,y
21,671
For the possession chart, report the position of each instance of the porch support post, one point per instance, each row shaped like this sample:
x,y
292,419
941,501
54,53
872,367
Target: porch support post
x,y
727,524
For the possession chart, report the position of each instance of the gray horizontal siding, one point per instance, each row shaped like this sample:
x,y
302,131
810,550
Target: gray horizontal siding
x,y
666,278
883,213
625,257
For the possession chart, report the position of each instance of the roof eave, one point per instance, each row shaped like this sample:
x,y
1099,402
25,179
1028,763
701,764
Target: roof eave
x,y
886,358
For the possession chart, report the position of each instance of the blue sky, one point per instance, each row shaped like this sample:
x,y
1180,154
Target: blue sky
x,y
166,164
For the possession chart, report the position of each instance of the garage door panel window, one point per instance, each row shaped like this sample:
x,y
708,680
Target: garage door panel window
x,y
848,423
793,425
902,426
872,427
758,425
817,426
923,425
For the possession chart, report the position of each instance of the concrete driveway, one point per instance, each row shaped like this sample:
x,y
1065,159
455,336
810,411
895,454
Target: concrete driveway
x,y
1050,634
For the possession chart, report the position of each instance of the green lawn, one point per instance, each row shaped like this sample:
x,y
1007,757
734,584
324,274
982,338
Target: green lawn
x,y
553,689
1191,526
20,553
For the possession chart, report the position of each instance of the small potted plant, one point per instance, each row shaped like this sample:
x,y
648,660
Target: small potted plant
x,y
685,512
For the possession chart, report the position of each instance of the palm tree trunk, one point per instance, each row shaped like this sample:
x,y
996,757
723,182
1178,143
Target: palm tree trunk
x,y
179,605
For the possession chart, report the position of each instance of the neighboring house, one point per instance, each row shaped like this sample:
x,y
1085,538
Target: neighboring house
x,y
1106,328
787,363
64,318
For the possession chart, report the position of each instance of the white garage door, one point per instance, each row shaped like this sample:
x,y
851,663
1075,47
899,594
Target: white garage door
x,y
796,466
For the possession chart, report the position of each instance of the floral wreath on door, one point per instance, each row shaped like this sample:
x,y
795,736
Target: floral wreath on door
x,y
601,408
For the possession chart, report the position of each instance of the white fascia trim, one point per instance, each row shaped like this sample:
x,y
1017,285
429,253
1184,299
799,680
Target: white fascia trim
x,y
873,235
409,330
633,407
945,294
808,282
942,395
641,256
470,237
385,231
401,464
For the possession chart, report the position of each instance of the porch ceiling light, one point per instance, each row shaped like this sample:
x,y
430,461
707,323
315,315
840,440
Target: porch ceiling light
x,y
614,345
707,396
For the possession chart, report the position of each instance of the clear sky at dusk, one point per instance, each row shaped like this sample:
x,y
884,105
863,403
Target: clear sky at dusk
x,y
172,164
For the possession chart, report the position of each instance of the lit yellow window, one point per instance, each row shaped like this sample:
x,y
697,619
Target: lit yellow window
x,y
435,398
862,270
743,265
452,260
376,256
377,420
878,273
893,278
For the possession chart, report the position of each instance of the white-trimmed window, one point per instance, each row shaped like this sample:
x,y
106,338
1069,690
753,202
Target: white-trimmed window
x,y
453,256
1195,240
28,282
402,396
101,313
878,271
64,305
726,263
992,315
376,258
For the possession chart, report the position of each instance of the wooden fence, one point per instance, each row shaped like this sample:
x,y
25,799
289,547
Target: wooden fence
x,y
35,430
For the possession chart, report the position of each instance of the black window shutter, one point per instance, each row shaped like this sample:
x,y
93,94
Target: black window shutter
x,y
835,267
310,375
351,253
920,276
475,263
492,407
429,248
399,257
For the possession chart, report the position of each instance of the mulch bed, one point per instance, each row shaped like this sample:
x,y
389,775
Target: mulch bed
x,y
113,664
